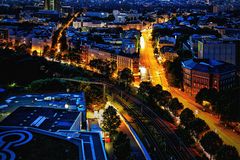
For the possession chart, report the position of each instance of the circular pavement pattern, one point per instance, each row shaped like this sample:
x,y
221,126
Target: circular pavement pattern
x,y
11,139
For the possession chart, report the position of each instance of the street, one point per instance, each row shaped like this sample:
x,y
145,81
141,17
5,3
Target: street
x,y
148,61
157,75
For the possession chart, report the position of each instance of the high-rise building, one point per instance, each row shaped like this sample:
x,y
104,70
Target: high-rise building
x,y
52,5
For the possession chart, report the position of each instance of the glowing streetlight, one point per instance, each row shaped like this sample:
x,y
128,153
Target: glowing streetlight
x,y
142,42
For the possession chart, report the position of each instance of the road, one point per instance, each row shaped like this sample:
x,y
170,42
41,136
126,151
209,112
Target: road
x,y
65,26
156,71
148,60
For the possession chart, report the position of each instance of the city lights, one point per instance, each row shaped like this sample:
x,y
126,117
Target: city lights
x,y
120,79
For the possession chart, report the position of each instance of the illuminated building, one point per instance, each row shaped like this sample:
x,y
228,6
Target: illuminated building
x,y
52,5
198,74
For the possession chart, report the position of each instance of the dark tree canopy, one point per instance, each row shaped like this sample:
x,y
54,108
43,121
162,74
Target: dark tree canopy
x,y
125,77
174,105
184,54
121,146
211,142
210,95
48,85
106,68
111,121
185,136
173,71
227,153
145,88
63,41
186,116
155,97
197,126
23,68
228,105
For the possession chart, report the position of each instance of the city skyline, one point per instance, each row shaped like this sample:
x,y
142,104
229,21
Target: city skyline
x,y
120,80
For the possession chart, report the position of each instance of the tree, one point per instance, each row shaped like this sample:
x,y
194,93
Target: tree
x,y
155,92
46,49
63,41
125,77
174,105
201,95
197,126
158,96
145,88
185,135
211,142
165,97
105,67
210,95
72,57
34,53
174,73
22,49
55,38
51,54
228,105
227,153
121,146
111,120
156,51
186,117
113,66
184,54
23,68
48,85
58,57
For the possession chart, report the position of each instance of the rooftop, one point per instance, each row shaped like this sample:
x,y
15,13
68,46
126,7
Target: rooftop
x,y
30,143
92,143
208,66
72,101
48,119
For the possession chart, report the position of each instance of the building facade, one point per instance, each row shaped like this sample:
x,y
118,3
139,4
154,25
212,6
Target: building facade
x,y
130,61
198,74
227,50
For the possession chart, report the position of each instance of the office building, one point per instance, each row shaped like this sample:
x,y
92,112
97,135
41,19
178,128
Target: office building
x,y
198,74
52,5
227,50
